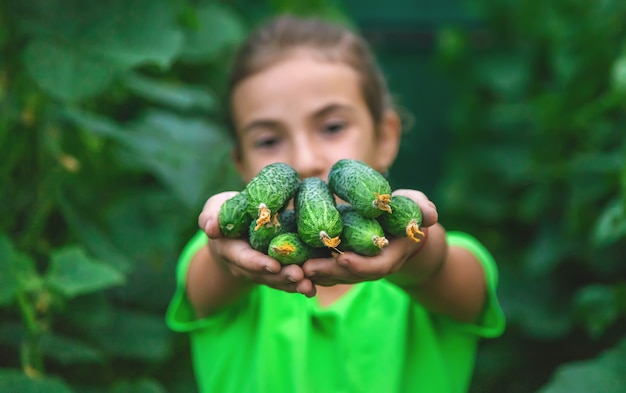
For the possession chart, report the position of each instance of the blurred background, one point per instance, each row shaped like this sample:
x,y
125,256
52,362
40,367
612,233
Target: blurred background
x,y
112,136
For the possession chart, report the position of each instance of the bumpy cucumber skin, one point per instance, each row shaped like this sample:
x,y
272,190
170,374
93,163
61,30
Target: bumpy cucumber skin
x,y
357,183
316,212
273,186
261,238
301,252
233,217
404,209
359,232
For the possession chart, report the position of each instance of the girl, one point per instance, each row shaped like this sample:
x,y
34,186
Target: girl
x,y
308,93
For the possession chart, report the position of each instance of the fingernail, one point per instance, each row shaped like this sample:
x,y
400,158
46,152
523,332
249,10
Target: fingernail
x,y
290,279
267,269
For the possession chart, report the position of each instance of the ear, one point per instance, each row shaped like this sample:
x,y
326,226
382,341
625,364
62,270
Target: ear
x,y
389,139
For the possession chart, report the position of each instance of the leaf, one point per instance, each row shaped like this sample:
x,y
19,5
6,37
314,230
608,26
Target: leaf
x,y
17,272
133,32
215,29
73,273
94,238
175,96
611,225
618,74
547,250
604,373
141,386
187,154
597,306
77,53
66,73
12,380
66,350
135,335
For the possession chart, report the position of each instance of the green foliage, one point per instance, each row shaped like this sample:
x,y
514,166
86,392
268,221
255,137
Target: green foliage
x,y
111,138
538,172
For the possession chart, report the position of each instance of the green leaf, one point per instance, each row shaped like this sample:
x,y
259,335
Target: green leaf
x,y
68,351
125,33
597,306
604,373
65,72
133,32
618,74
17,272
73,273
12,380
611,225
142,386
175,96
94,239
187,154
215,29
77,53
135,335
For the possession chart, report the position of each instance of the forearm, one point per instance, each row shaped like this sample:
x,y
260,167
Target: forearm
x,y
446,280
210,286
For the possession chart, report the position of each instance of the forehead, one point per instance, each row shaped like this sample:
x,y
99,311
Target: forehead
x,y
296,84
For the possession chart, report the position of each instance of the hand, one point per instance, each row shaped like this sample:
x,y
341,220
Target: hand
x,y
349,267
244,262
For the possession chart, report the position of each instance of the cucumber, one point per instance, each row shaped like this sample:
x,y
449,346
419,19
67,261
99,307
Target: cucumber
x,y
260,238
318,220
360,185
405,220
287,248
270,190
363,235
233,217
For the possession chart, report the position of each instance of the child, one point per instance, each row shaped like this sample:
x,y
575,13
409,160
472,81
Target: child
x,y
308,93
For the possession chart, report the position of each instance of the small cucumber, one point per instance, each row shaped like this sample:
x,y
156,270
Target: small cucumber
x,y
405,220
233,217
360,234
270,190
360,185
287,248
318,220
260,238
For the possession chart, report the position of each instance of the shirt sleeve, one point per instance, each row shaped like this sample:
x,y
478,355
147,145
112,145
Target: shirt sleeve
x,y
492,321
180,316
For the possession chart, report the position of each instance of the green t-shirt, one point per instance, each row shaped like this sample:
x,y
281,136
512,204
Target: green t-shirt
x,y
373,339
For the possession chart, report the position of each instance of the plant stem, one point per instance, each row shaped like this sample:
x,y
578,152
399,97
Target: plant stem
x,y
32,362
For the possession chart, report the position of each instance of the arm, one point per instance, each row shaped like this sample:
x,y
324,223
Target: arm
x,y
226,269
446,280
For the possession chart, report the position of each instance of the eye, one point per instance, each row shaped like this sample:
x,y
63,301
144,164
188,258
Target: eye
x,y
266,142
334,127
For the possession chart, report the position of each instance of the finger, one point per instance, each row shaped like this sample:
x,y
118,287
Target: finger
x,y
208,219
387,262
429,209
240,253
306,288
319,268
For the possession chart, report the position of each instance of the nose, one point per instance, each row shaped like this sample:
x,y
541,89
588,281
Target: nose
x,y
308,158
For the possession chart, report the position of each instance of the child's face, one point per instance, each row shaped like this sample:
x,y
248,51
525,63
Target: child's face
x,y
309,114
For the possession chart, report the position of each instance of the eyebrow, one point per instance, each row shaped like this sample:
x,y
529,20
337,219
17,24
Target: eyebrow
x,y
330,108
317,114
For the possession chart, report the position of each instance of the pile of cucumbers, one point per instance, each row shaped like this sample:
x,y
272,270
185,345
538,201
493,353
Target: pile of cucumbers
x,y
317,225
